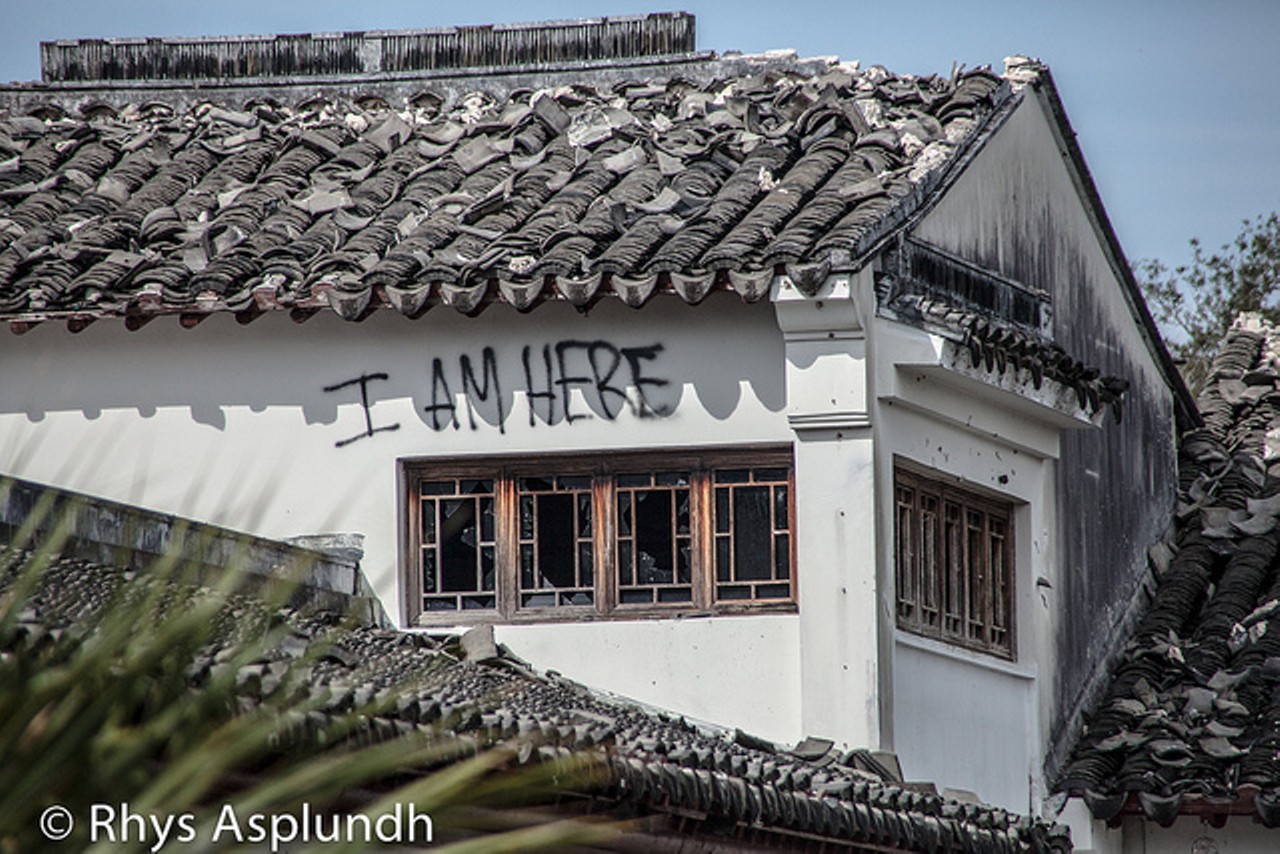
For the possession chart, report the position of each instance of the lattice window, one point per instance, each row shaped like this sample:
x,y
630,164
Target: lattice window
x,y
752,533
557,560
654,538
456,551
626,535
953,563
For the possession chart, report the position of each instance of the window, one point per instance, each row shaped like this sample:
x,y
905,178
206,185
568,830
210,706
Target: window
x,y
953,559
591,537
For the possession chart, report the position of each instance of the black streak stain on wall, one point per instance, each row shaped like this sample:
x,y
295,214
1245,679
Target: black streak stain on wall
x,y
1116,484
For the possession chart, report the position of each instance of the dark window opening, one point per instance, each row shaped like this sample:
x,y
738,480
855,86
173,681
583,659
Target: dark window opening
x,y
954,571
457,545
752,525
555,542
654,538
624,535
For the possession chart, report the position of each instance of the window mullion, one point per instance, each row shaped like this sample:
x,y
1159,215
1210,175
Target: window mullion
x,y
671,530
988,580
793,537
703,536
507,549
413,586
604,501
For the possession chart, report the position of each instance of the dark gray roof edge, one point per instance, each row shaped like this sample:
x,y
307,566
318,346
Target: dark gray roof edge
x,y
560,23
476,72
699,67
125,535
1186,410
187,57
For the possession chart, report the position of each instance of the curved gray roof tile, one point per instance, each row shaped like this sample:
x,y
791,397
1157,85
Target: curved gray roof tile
x,y
649,185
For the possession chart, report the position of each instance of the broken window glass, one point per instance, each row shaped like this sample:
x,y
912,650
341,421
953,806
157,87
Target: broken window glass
x,y
653,538
457,529
556,542
752,539
620,537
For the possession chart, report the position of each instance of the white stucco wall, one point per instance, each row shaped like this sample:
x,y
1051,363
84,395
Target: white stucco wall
x,y
963,719
1133,834
733,671
231,424
964,722
262,428
1190,835
1019,210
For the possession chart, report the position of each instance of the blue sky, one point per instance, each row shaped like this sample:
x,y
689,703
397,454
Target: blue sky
x,y
1176,104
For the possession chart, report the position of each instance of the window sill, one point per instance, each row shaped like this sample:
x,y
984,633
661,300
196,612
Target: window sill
x,y
454,619
967,656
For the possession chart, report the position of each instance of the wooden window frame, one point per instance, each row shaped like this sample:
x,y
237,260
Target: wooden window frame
x,y
604,469
942,589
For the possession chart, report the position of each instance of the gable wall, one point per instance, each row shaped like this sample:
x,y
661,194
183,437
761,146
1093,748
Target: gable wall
x,y
1017,211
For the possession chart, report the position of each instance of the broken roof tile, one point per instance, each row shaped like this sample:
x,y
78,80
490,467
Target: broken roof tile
x,y
658,182
1199,673
652,760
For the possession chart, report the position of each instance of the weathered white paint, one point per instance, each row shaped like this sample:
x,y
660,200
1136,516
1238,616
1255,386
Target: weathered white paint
x,y
738,672
962,719
826,362
230,424
1019,211
840,663
1089,836
1190,835
965,722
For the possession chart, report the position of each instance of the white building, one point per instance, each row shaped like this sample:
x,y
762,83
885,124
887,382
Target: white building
x,y
783,394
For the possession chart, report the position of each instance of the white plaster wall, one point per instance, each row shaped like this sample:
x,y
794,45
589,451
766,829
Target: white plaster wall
x,y
231,424
836,550
1088,835
962,719
969,721
840,656
1190,835
1019,209
750,679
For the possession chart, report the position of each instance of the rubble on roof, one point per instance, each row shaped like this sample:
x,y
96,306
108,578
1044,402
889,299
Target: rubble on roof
x,y
573,192
1189,723
657,761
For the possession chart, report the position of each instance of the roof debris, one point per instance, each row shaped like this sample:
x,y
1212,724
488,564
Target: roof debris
x,y
1198,731
264,205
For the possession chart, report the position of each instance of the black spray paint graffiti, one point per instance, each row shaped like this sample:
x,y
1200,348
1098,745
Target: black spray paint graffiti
x,y
369,429
609,378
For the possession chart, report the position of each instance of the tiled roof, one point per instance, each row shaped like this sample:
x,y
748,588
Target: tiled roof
x,y
997,348
1191,720
684,183
656,761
